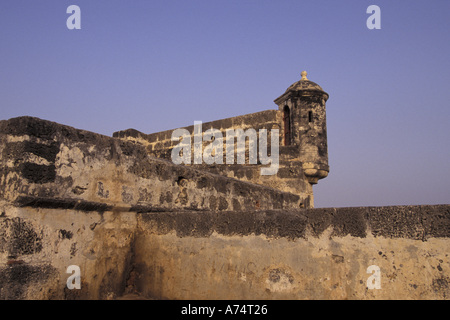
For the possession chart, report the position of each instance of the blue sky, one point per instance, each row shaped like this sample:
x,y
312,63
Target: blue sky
x,y
158,65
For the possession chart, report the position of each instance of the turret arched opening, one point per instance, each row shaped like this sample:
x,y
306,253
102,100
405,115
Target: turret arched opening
x,y
287,125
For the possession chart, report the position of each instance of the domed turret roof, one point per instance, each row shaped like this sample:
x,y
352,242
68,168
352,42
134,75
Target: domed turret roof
x,y
304,84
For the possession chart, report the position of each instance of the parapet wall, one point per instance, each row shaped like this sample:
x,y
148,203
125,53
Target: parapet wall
x,y
263,254
289,176
298,254
159,144
48,164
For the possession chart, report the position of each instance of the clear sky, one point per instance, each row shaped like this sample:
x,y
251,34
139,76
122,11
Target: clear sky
x,y
156,65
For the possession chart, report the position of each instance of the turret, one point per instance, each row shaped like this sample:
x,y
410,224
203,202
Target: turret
x,y
304,125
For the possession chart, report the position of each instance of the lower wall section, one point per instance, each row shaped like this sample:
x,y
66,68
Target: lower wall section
x,y
266,254
310,254
38,245
255,267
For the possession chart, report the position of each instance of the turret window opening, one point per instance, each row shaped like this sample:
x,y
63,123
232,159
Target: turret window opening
x,y
310,116
287,125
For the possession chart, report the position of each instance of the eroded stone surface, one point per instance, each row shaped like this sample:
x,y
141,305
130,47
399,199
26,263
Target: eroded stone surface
x,y
139,226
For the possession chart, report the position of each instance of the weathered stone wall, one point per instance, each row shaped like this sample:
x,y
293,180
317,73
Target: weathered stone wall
x,y
159,144
289,178
64,195
135,223
264,254
46,164
37,245
301,254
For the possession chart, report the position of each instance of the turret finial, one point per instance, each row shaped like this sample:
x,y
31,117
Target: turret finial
x,y
303,74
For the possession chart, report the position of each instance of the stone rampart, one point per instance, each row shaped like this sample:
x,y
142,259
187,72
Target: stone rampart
x,y
134,223
262,254
289,177
298,254
47,164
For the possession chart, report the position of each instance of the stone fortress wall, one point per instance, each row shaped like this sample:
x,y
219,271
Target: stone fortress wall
x,y
289,177
71,197
302,142
136,223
